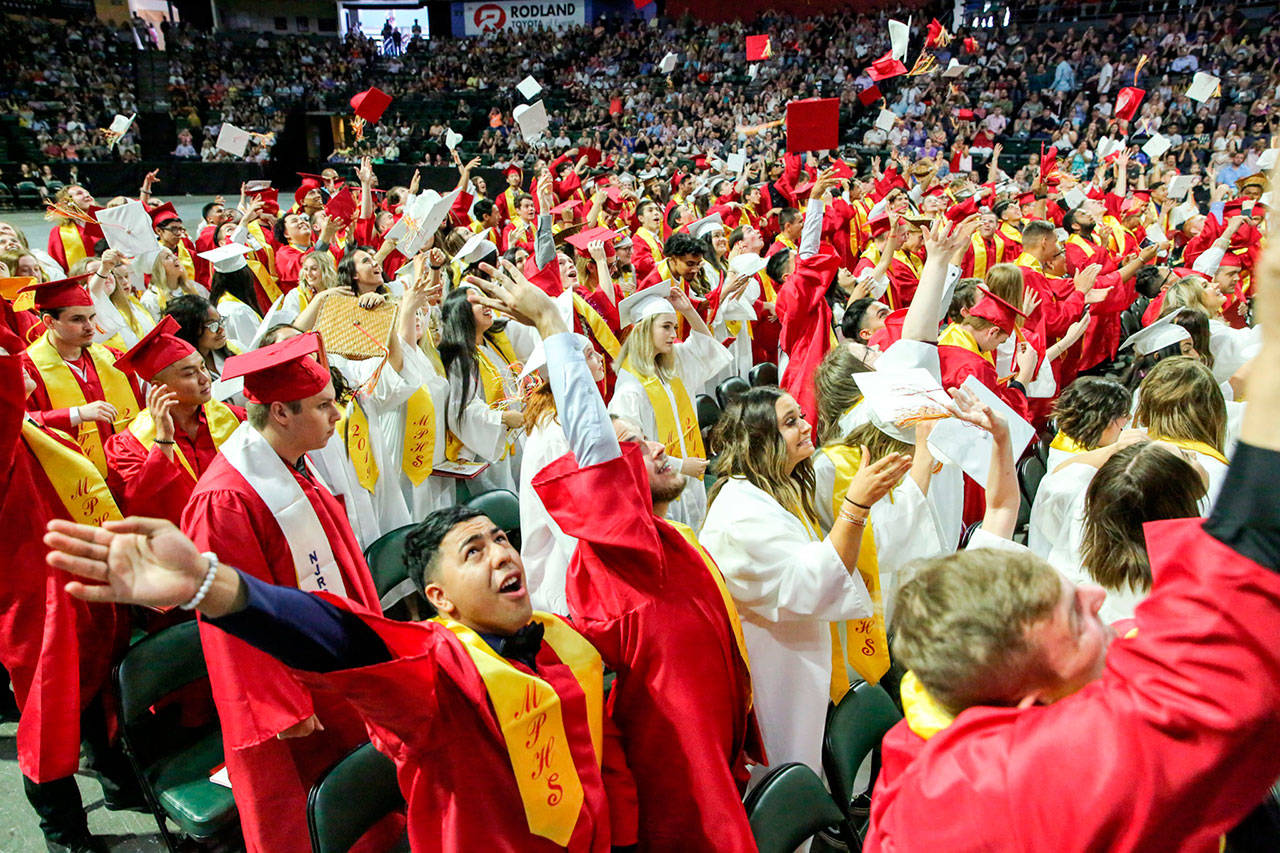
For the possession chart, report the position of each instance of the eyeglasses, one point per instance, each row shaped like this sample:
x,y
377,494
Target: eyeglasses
x,y
176,229
215,326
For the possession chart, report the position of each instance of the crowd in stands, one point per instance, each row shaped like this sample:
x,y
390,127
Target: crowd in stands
x,y
990,436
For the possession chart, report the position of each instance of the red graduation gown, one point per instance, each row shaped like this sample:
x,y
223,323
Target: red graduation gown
x,y
428,710
256,695
806,328
58,649
145,481
643,597
1174,745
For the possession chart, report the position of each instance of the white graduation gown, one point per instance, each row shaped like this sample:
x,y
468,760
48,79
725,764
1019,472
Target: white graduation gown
x,y
789,585
434,492
545,549
242,322
696,360
480,428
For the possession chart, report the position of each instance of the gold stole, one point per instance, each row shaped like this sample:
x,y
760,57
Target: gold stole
x,y
265,279
980,261
80,487
72,243
956,335
359,442
188,263
530,715
788,242
1081,243
65,392
730,608
655,247
1197,446
255,230
671,424
1029,261
1013,234
866,644
599,328
419,437
218,416
1067,444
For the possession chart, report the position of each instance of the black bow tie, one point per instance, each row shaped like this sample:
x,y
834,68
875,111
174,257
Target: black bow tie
x,y
523,645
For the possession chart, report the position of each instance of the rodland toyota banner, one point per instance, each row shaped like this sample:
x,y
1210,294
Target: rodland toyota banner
x,y
492,17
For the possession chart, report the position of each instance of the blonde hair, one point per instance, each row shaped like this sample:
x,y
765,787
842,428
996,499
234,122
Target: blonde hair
x,y
328,271
639,353
1184,293
836,391
1179,399
160,276
1005,281
10,260
751,447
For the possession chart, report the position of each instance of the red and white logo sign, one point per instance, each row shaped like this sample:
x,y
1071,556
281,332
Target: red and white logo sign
x,y
505,15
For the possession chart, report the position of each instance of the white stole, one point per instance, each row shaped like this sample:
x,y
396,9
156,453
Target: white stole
x,y
314,564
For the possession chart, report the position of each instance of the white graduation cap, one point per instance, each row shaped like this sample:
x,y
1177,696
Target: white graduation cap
x,y
532,119
736,162
1267,160
1073,198
451,139
538,357
228,257
529,87
645,303
1108,146
232,139
1182,213
955,68
127,228
476,248
886,120
1180,186
706,226
747,264
256,186
899,36
897,399
753,70
421,217
1156,146
969,446
736,310
1160,334
1203,86
668,63
120,126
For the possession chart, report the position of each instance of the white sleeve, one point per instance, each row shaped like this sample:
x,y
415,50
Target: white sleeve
x,y
523,339
699,358
948,291
582,413
1209,261
983,539
824,475
772,568
811,232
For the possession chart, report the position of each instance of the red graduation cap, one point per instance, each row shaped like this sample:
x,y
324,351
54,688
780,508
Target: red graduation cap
x,y
1049,165
963,210
1231,260
565,206
886,67
283,372
342,207
869,95
1127,101
964,115
1027,198
879,224
303,189
935,35
842,169
164,213
758,48
270,199
993,308
1137,202
63,293
593,155
513,168
970,45
158,348
582,239
371,104
813,124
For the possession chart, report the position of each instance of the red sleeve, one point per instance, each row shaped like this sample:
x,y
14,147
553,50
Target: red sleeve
x,y
642,259
620,788
11,408
1196,245
790,174
366,233
1114,204
460,212
146,483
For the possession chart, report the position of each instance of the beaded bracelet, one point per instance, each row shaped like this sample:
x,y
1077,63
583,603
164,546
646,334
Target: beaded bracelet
x,y
208,582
